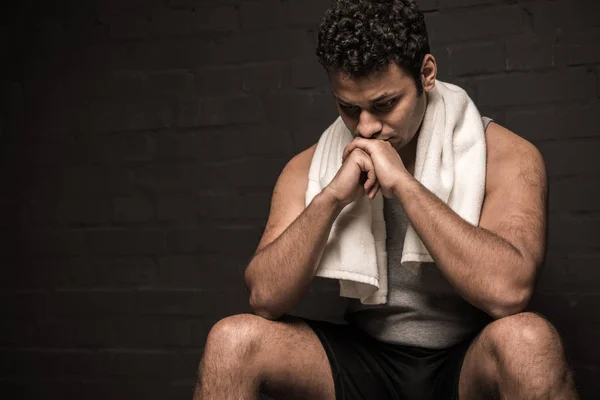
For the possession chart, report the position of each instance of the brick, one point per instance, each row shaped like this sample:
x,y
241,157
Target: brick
x,y
222,111
564,158
134,115
562,15
295,108
427,5
583,48
12,212
575,194
41,212
192,4
220,205
182,209
85,211
188,22
167,179
160,54
567,308
444,4
255,172
551,277
305,12
219,81
201,328
573,232
533,88
97,180
587,380
458,26
308,73
442,57
263,45
241,241
119,271
193,302
256,205
172,85
529,54
188,240
214,144
263,77
268,140
86,272
265,14
131,146
124,242
560,122
187,272
128,27
477,59
582,273
51,242
96,390
102,365
127,210
87,302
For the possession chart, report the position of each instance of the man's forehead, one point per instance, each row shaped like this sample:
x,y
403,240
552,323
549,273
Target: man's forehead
x,y
388,81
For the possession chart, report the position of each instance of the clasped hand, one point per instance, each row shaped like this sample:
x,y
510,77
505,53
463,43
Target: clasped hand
x,y
375,160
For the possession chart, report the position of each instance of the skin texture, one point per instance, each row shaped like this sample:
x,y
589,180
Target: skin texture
x,y
517,356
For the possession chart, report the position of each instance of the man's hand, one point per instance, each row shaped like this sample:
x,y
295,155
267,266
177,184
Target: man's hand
x,y
389,168
354,179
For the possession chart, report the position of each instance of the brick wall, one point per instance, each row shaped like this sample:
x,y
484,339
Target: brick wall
x,y
140,141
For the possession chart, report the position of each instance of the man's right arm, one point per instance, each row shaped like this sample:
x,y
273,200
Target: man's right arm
x,y
288,255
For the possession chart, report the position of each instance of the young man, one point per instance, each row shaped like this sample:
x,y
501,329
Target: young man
x,y
458,330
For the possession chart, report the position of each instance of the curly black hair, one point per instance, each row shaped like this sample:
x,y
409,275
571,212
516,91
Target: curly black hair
x,y
361,37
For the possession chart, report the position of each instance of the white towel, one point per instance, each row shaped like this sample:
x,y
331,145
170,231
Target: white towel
x,y
450,162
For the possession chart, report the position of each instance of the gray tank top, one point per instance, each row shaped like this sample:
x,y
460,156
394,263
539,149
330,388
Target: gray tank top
x,y
421,310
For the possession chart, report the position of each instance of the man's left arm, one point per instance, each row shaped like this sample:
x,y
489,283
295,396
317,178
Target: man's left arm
x,y
493,265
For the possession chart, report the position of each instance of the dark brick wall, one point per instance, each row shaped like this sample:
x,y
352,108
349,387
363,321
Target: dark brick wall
x,y
140,141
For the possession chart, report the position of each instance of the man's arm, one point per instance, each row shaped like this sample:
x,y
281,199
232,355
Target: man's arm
x,y
492,266
284,264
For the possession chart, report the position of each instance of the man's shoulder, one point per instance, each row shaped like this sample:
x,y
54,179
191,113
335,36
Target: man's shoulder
x,y
299,165
510,156
294,176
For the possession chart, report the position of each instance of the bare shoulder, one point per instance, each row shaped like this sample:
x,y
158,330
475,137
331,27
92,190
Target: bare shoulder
x,y
512,158
287,201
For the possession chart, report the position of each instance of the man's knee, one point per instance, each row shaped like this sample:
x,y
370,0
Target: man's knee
x,y
525,330
237,337
526,343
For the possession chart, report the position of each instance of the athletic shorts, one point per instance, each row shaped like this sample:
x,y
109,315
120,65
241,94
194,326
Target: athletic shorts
x,y
367,369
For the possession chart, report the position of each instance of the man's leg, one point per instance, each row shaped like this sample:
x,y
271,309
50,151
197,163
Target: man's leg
x,y
519,357
246,353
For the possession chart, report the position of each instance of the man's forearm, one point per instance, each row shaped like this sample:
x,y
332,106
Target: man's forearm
x,y
483,267
280,274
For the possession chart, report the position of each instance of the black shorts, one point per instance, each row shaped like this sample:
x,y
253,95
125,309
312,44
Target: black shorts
x,y
364,368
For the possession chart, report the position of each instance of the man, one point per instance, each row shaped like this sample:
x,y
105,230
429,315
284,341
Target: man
x,y
460,335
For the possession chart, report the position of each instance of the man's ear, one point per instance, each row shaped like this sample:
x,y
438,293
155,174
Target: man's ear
x,y
428,72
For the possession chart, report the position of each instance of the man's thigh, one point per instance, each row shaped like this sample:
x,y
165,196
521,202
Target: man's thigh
x,y
293,363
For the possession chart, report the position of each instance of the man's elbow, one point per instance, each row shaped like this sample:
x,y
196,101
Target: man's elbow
x,y
511,303
262,308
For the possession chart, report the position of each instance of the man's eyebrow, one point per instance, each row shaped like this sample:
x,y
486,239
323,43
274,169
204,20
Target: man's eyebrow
x,y
376,100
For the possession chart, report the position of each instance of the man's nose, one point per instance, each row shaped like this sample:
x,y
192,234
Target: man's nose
x,y
368,126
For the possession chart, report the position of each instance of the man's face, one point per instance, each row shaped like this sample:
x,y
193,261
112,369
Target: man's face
x,y
384,106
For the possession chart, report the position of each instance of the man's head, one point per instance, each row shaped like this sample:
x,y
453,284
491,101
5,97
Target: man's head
x,y
375,48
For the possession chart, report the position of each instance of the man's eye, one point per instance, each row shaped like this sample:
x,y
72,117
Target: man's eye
x,y
350,110
387,105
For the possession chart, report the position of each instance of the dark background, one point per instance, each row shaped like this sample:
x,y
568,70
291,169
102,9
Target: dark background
x,y
140,141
